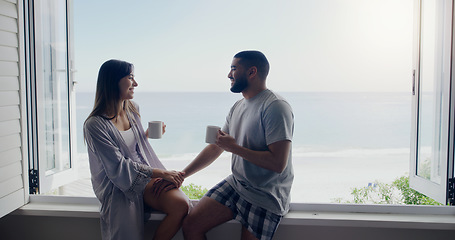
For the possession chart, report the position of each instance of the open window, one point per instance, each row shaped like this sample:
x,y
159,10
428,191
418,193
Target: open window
x,y
50,95
432,132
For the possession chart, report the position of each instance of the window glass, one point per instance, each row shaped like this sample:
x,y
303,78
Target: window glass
x,y
430,149
431,92
344,66
55,85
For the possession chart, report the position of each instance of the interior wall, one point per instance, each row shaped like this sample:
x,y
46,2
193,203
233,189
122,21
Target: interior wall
x,y
13,227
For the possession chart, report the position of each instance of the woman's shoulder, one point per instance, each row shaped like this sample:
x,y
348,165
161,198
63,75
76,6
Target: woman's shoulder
x,y
95,122
134,109
135,104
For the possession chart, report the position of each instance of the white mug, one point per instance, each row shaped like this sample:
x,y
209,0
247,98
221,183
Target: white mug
x,y
155,129
211,133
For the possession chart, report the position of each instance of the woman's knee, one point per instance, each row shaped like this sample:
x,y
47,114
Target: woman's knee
x,y
178,204
182,206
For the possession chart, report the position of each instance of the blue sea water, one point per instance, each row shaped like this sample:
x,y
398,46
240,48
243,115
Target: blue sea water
x,y
341,140
323,121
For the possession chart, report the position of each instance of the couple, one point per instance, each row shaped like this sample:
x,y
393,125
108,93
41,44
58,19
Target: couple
x,y
129,179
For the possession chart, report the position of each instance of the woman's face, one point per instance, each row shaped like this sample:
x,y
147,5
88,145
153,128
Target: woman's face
x,y
126,87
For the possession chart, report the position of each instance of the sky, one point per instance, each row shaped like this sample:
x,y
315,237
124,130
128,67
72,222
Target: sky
x,y
312,45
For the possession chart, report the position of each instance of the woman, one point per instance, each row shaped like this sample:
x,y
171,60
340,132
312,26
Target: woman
x,y
127,176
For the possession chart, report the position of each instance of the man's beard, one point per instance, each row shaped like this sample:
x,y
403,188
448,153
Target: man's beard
x,y
239,85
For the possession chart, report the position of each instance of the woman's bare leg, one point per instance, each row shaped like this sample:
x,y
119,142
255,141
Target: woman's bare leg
x,y
174,203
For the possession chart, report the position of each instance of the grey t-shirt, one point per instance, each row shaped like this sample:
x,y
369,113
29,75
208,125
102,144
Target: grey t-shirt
x,y
256,123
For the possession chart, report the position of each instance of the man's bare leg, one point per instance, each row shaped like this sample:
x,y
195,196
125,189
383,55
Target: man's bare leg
x,y
207,214
247,235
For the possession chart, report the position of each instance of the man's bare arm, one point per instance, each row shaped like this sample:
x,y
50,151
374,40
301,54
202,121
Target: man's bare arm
x,y
274,159
203,159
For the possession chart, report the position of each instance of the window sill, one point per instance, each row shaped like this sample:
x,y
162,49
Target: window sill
x,y
340,215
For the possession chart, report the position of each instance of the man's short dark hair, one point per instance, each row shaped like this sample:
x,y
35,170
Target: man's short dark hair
x,y
254,58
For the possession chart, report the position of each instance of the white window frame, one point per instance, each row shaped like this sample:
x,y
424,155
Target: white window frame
x,y
435,190
295,206
50,179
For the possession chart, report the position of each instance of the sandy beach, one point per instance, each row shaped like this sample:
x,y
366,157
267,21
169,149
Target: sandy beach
x,y
320,177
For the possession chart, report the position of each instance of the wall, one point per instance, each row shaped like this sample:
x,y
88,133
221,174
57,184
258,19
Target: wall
x,y
49,228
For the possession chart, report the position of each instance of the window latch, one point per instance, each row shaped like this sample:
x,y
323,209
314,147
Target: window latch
x,y
451,191
33,181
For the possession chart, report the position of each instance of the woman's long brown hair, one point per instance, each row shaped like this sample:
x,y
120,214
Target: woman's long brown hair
x,y
107,90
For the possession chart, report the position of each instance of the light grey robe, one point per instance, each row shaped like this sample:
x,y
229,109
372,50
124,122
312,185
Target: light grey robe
x,y
119,180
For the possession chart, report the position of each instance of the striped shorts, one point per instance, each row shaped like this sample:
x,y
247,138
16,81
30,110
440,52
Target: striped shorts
x,y
260,222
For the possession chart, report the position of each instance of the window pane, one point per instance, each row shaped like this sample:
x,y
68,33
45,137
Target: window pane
x,y
56,96
431,95
320,54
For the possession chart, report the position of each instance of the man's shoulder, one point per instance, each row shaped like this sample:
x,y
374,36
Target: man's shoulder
x,y
237,103
270,96
275,100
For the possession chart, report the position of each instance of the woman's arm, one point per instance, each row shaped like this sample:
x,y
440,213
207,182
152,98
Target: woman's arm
x,y
129,176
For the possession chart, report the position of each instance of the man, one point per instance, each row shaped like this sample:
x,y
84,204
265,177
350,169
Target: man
x,y
258,132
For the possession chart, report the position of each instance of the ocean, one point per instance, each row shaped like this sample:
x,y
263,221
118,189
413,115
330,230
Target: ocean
x,y
341,140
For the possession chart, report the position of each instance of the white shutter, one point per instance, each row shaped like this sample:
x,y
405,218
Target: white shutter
x,y
13,184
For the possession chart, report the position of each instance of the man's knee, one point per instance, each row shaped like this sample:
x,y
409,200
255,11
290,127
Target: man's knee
x,y
192,226
188,226
189,223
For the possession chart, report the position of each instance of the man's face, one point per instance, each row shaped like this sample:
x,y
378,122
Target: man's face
x,y
238,76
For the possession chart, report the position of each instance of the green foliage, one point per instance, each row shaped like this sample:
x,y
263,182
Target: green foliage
x,y
411,196
194,191
398,192
424,168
